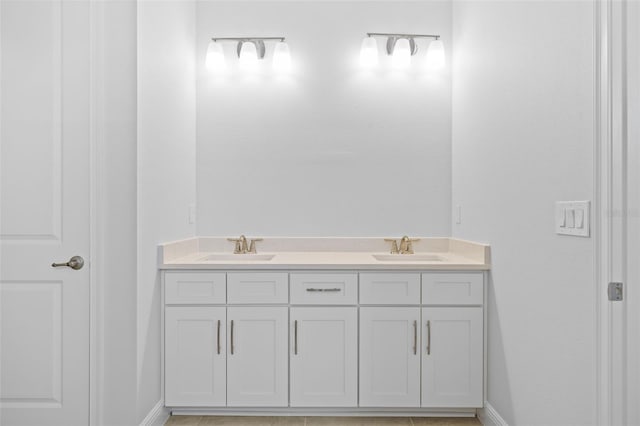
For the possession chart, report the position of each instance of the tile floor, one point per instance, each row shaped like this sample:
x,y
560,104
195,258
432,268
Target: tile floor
x,y
319,421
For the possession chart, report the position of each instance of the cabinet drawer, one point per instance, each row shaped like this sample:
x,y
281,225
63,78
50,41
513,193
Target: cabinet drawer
x,y
464,288
390,288
258,287
195,288
324,289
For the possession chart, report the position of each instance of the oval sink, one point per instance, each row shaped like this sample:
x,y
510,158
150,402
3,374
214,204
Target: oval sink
x,y
408,257
237,257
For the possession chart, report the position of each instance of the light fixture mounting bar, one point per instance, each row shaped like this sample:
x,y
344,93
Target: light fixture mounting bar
x,y
400,35
244,39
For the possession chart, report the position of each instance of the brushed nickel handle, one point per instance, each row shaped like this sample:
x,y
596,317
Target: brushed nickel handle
x,y
324,289
218,338
428,337
295,337
76,262
231,337
415,337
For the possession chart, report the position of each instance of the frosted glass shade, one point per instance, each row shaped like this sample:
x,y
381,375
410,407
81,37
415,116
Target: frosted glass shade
x,y
402,53
369,52
282,58
248,55
214,60
435,55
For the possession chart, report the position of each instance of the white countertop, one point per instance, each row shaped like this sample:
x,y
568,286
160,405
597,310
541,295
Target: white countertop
x,y
324,253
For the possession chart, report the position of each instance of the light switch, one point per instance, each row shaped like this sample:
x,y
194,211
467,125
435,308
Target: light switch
x,y
570,214
578,218
572,218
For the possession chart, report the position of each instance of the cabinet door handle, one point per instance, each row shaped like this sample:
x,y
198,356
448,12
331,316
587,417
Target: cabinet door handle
x,y
218,338
323,289
295,337
428,337
415,337
231,337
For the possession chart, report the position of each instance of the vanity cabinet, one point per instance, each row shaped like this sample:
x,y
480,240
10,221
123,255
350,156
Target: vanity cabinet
x,y
195,356
390,357
324,357
402,340
257,367
452,362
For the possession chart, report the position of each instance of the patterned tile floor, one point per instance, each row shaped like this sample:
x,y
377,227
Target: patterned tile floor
x,y
319,421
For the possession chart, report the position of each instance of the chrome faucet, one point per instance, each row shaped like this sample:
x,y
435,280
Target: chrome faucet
x,y
406,245
241,246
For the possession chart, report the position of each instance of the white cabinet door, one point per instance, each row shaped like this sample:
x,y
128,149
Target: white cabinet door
x,y
390,357
195,353
324,351
452,357
257,357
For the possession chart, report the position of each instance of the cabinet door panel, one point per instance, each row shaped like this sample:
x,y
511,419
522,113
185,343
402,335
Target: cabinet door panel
x,y
324,357
195,366
452,357
257,357
389,357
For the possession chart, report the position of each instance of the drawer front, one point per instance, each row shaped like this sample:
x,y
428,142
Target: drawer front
x,y
390,288
463,288
324,289
258,287
195,288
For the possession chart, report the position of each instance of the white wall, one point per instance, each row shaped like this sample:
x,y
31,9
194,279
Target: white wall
x,y
330,150
166,165
523,137
115,261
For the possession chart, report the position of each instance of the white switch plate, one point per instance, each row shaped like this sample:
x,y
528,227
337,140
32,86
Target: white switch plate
x,y
566,214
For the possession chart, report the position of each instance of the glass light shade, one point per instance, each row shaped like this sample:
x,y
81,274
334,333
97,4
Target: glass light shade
x,y
282,57
248,55
214,60
402,53
435,55
369,52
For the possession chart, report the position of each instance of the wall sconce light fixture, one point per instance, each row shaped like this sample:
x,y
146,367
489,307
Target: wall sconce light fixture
x,y
401,47
249,50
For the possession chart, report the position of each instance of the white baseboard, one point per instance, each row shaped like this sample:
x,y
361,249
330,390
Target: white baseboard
x,y
488,416
157,416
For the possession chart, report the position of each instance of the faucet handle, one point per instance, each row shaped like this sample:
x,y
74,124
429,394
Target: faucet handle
x,y
252,246
394,245
238,247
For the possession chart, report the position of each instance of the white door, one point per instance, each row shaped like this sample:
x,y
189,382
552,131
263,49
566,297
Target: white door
x,y
390,357
44,212
324,357
257,368
452,357
195,356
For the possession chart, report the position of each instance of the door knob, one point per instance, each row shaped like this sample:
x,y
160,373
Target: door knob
x,y
76,262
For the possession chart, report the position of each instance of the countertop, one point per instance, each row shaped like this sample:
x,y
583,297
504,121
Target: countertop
x,y
324,254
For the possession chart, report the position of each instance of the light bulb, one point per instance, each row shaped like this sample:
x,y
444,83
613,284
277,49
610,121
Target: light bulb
x,y
282,58
435,55
369,52
248,55
402,53
215,57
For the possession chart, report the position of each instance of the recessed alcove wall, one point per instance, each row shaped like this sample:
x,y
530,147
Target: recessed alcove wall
x,y
330,149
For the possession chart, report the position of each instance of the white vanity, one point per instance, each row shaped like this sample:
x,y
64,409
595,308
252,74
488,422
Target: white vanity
x,y
320,325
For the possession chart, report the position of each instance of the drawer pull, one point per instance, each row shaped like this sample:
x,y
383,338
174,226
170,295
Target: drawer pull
x,y
295,337
218,338
231,337
324,289
428,337
415,337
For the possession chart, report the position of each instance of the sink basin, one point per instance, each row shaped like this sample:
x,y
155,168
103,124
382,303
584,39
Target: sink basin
x,y
408,257
237,257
